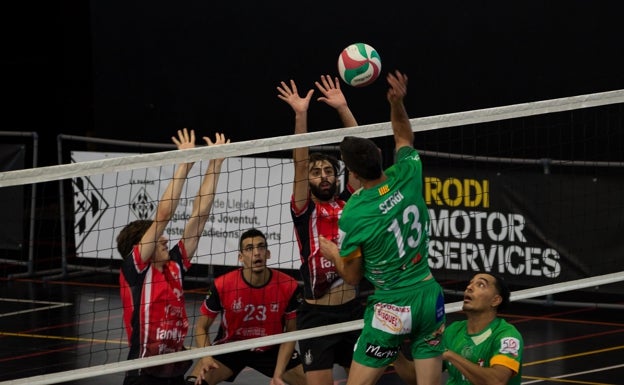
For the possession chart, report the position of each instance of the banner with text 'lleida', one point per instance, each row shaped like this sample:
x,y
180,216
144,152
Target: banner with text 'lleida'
x,y
251,192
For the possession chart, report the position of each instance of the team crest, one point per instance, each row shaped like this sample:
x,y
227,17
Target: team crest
x,y
237,305
274,307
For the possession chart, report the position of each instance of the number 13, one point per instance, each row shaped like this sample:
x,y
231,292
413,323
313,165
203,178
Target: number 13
x,y
409,214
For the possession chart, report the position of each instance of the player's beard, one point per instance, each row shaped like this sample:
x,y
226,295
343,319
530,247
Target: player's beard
x,y
321,194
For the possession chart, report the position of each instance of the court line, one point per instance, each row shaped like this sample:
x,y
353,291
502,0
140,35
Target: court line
x,y
557,378
577,338
53,305
573,355
64,338
39,353
523,318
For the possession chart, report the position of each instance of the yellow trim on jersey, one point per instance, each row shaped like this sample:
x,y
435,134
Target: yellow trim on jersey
x,y
506,362
357,253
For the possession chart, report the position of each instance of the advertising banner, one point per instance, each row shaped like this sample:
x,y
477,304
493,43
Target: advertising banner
x,y
252,192
530,227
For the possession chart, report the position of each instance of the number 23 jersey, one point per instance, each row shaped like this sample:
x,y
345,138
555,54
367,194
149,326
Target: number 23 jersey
x,y
248,311
387,225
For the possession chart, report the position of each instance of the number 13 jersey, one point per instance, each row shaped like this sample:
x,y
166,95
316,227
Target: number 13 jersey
x,y
387,226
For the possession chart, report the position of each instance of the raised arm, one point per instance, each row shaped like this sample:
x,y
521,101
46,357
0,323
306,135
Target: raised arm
x,y
170,198
300,106
202,204
333,97
401,126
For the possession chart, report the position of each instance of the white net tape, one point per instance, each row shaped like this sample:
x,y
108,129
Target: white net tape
x,y
280,143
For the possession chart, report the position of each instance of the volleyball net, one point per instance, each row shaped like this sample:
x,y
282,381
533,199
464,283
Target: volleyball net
x,y
531,191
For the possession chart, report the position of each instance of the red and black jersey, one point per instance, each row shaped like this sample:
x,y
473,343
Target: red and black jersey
x,y
248,311
314,219
153,302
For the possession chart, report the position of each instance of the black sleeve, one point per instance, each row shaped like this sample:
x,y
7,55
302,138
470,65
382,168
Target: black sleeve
x,y
212,301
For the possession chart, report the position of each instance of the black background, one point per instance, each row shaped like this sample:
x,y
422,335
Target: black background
x,y
139,70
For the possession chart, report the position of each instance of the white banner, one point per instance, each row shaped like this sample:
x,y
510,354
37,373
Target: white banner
x,y
252,192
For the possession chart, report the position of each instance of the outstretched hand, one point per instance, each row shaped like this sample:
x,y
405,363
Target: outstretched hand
x,y
291,96
332,94
219,139
398,87
185,139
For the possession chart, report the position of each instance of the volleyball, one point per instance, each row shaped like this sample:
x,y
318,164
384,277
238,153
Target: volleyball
x,y
359,65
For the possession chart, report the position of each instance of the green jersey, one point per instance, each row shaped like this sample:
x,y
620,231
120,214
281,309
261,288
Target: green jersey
x,y
500,343
387,224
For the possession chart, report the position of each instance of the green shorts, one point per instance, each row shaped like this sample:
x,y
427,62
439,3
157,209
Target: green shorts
x,y
391,317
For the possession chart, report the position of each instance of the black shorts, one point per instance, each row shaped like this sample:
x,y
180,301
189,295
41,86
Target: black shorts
x,y
323,352
262,361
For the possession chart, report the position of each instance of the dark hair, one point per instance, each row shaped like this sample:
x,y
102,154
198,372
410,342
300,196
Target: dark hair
x,y
131,235
319,157
361,156
503,291
250,234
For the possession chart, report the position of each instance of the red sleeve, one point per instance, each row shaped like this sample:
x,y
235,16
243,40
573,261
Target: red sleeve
x,y
186,262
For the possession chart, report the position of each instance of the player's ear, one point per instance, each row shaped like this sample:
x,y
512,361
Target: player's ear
x,y
268,254
497,300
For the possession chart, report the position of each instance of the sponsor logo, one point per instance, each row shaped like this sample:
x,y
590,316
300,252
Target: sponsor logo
x,y
169,334
456,192
381,352
251,332
435,339
174,311
89,206
510,345
388,316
